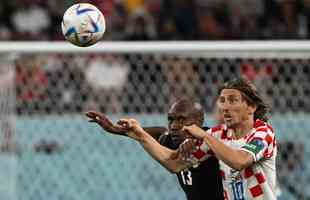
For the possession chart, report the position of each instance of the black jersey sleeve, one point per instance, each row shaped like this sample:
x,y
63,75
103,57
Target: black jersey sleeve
x,y
163,139
205,128
166,141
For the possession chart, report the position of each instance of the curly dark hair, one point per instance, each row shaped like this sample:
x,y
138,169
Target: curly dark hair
x,y
250,94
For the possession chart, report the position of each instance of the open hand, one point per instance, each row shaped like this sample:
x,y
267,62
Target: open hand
x,y
105,123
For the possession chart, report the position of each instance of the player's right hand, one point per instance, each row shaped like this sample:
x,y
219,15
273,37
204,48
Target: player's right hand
x,y
105,123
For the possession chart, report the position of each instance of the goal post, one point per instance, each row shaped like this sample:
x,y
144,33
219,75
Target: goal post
x,y
212,49
54,83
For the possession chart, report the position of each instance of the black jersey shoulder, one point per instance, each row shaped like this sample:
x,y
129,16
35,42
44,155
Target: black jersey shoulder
x,y
205,128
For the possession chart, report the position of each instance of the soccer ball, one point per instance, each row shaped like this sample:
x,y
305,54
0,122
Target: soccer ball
x,y
83,24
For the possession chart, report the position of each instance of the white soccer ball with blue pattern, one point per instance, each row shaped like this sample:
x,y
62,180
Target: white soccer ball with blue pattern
x,y
83,24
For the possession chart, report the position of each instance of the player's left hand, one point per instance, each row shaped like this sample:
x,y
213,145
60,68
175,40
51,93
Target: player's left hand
x,y
104,122
195,131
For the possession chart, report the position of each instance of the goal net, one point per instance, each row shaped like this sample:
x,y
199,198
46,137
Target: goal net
x,y
47,87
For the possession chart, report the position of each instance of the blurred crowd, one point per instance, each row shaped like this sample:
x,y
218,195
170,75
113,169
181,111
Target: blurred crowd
x,y
148,84
164,19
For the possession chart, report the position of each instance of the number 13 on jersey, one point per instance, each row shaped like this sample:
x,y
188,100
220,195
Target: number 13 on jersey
x,y
187,177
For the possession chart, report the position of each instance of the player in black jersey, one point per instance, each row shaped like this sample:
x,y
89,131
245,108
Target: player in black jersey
x,y
199,182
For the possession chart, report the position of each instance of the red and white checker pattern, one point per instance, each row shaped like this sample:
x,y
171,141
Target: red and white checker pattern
x,y
258,180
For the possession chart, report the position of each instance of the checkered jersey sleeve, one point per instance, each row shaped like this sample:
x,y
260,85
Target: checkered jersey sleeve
x,y
261,143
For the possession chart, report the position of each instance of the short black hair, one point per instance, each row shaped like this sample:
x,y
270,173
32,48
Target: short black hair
x,y
191,107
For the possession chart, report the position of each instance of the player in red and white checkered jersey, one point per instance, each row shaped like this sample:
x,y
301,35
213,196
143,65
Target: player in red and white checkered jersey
x,y
245,144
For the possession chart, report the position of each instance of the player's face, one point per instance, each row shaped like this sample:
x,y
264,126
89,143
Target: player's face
x,y
233,107
177,119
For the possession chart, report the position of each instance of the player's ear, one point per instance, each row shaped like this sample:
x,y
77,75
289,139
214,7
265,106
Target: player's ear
x,y
252,108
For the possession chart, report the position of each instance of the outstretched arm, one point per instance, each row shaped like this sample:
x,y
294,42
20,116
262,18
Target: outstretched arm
x,y
170,159
107,125
234,158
